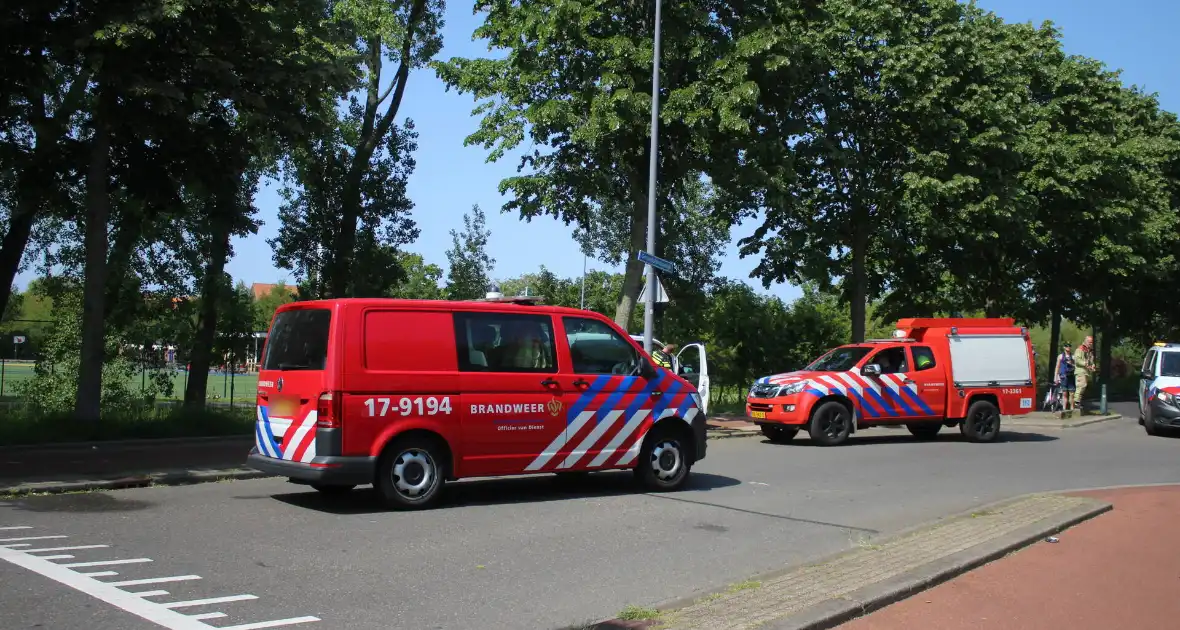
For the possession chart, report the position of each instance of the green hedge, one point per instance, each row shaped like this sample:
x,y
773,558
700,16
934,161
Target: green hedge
x,y
20,427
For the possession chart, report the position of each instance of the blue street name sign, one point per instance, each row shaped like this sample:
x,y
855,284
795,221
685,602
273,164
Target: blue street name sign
x,y
665,266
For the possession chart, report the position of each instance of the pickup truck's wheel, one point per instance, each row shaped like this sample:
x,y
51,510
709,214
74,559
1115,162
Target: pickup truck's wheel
x,y
830,425
779,435
982,423
924,430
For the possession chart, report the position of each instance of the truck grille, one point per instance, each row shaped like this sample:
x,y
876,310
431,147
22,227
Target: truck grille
x,y
760,407
763,390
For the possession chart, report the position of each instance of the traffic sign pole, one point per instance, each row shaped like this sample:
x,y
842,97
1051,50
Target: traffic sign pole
x,y
650,308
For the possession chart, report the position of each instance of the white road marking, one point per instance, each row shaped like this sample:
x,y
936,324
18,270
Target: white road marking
x,y
149,593
102,563
270,624
161,580
211,600
65,548
109,594
8,540
159,613
12,527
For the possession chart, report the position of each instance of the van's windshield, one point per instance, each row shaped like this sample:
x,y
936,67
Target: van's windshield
x,y
298,340
1170,364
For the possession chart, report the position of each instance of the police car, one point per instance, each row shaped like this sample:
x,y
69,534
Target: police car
x,y
1159,388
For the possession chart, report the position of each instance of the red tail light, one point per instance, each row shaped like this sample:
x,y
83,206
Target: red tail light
x,y
328,411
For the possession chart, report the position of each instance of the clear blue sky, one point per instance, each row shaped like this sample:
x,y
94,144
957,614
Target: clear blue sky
x,y
1132,35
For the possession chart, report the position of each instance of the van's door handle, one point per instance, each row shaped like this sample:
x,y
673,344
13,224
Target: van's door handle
x,y
581,383
908,381
549,383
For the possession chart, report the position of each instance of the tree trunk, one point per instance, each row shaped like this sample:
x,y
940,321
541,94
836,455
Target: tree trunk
x,y
1107,346
858,288
992,309
633,277
20,228
118,266
1054,341
211,285
88,401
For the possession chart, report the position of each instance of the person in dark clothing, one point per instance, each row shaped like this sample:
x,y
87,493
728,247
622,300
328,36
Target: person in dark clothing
x,y
1065,376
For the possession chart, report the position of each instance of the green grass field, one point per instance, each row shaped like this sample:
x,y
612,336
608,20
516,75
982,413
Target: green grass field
x,y
244,385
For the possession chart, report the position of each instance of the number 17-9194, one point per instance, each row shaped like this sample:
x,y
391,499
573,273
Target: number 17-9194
x,y
380,407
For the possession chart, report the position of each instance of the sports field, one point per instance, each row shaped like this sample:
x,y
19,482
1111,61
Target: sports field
x,y
219,387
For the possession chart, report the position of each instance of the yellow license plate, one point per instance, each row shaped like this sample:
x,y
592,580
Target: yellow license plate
x,y
757,414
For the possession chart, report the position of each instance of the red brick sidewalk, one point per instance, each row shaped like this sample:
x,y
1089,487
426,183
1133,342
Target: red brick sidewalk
x,y
1119,570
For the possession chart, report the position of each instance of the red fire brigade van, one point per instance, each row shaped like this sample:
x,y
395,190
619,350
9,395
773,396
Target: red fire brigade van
x,y
933,373
407,394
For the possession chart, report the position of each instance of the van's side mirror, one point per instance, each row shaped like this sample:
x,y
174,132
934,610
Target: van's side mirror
x,y
871,369
646,369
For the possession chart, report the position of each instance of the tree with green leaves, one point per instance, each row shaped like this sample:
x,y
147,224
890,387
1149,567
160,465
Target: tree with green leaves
x,y
422,280
46,77
206,95
345,212
837,208
265,305
470,264
576,80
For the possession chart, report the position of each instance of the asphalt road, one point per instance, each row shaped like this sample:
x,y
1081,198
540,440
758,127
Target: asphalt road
x,y
531,553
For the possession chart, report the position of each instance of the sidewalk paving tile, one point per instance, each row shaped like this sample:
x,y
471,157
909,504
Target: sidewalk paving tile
x,y
873,562
1119,570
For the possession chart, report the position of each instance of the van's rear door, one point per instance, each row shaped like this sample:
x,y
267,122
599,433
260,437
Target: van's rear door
x,y
293,375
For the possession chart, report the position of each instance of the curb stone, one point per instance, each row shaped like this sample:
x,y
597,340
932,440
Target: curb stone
x,y
1080,421
184,477
181,477
865,599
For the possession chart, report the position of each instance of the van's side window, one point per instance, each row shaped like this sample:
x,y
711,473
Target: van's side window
x,y
596,348
504,342
923,358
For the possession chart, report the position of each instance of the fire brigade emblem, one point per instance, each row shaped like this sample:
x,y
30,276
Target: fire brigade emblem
x,y
554,406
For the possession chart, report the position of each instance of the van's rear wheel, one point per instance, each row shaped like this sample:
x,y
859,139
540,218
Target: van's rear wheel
x,y
982,423
410,474
663,464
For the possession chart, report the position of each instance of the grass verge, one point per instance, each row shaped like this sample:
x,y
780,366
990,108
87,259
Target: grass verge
x,y
18,427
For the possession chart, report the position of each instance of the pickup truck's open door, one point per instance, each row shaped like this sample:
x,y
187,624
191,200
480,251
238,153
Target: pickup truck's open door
x,y
693,366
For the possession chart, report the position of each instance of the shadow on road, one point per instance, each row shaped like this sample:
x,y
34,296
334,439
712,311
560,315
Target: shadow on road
x,y
81,503
501,492
904,438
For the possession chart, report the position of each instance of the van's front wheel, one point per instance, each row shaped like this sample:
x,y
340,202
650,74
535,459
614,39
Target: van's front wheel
x,y
663,464
410,474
